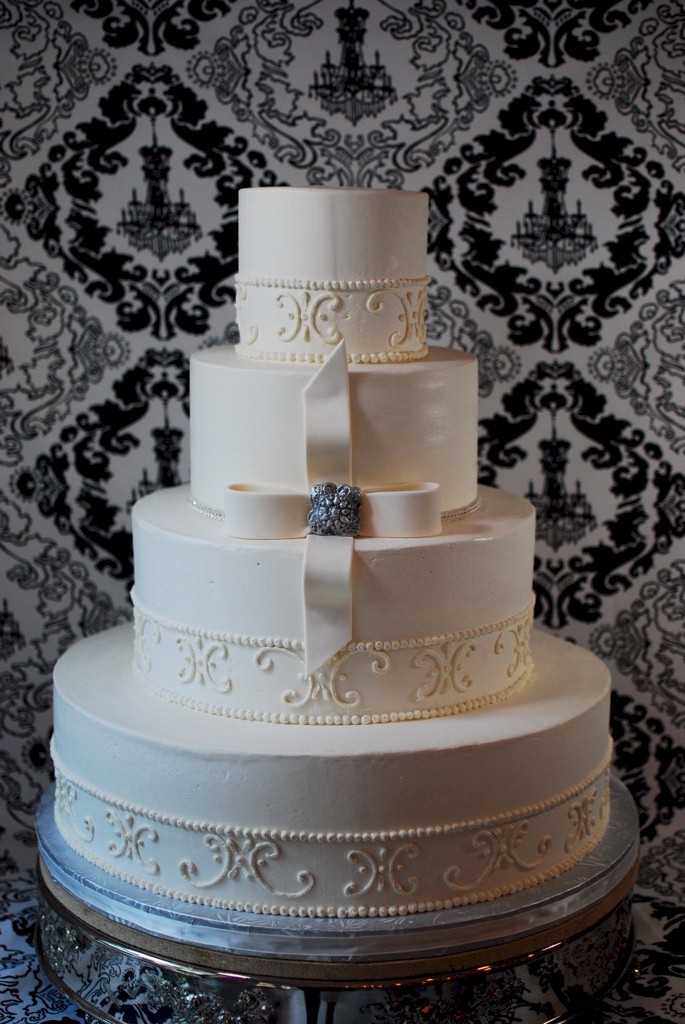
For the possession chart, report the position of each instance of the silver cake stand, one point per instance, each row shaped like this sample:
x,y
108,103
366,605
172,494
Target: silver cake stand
x,y
548,954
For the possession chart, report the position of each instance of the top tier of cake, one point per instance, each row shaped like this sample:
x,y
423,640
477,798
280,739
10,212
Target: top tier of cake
x,y
320,266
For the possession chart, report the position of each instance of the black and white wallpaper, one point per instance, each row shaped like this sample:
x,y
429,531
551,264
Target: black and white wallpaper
x,y
550,136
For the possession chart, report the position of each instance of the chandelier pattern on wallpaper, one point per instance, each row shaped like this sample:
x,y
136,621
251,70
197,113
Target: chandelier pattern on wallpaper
x,y
555,236
158,223
562,516
352,87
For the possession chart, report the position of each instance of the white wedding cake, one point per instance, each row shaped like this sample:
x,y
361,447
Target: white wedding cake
x,y
332,702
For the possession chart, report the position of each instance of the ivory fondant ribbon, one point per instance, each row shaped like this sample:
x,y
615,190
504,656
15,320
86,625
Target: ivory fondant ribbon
x,y
403,510
256,512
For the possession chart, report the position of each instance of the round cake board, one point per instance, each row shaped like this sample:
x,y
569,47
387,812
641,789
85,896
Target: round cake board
x,y
548,954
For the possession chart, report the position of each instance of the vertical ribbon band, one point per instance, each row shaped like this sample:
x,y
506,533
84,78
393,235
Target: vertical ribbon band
x,y
398,510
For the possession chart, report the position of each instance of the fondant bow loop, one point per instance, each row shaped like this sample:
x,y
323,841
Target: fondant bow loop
x,y
403,510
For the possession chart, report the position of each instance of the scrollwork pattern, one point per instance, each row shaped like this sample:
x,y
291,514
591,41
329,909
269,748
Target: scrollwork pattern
x,y
145,630
444,667
500,848
310,317
583,820
381,870
130,839
518,634
239,676
245,856
337,873
325,686
304,319
201,658
78,76
66,796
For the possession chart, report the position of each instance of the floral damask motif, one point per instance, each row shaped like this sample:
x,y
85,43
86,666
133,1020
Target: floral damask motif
x,y
500,848
453,90
651,762
11,638
645,80
61,587
47,69
455,78
646,364
246,856
551,31
55,352
478,181
449,319
226,71
68,195
646,641
662,871
152,27
625,545
382,869
70,483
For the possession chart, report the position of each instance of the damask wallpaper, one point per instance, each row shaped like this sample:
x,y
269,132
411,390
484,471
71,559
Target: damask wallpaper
x,y
550,137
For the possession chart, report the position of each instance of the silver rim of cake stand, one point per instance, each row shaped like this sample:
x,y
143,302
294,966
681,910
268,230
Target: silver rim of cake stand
x,y
557,955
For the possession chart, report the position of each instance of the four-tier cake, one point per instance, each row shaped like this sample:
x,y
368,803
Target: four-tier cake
x,y
332,702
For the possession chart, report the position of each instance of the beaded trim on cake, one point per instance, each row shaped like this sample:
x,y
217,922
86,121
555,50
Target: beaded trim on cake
x,y
368,682
379,320
334,874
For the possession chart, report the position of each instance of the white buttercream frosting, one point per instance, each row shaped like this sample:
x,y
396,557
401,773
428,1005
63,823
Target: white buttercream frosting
x,y
378,321
323,266
457,593
409,422
264,678
200,754
294,820
332,234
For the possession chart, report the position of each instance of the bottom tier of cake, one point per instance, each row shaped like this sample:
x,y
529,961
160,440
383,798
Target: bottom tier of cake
x,y
331,821
189,964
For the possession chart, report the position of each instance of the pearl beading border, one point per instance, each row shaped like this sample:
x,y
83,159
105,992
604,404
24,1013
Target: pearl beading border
x,y
371,284
373,718
365,358
412,643
380,320
170,662
382,836
363,911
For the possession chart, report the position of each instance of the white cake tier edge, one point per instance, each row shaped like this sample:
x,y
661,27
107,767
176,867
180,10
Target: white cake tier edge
x,y
285,819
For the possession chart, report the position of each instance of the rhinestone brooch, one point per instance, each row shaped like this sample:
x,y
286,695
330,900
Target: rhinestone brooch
x,y
335,510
